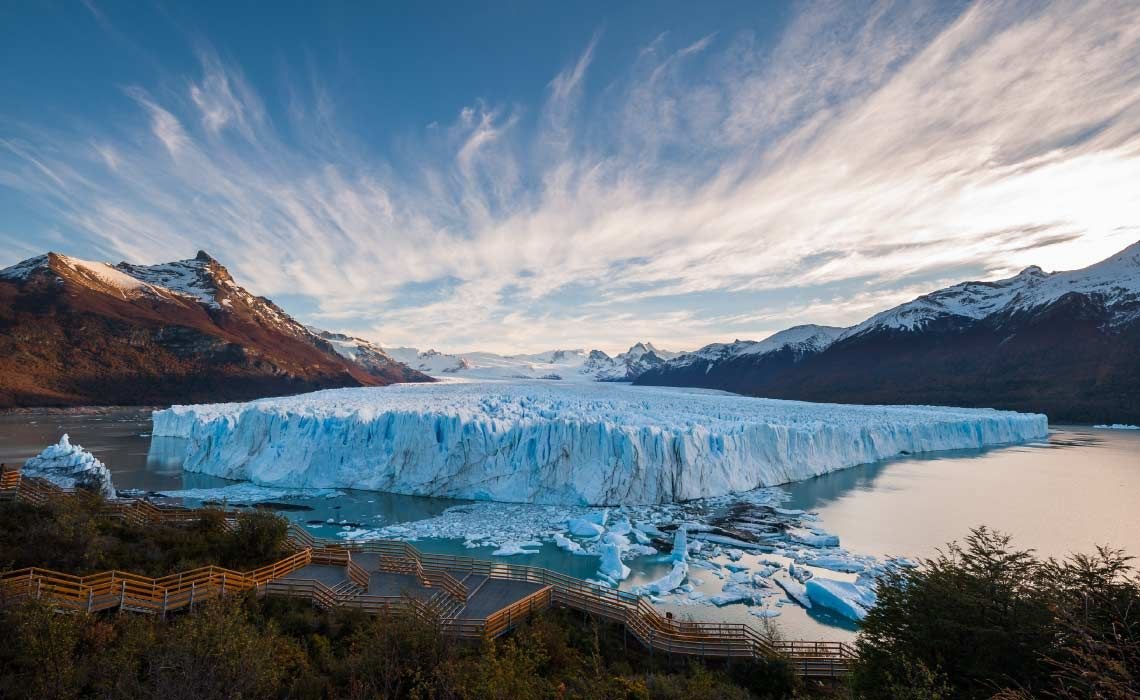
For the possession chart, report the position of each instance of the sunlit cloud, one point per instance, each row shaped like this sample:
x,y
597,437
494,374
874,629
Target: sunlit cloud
x,y
716,189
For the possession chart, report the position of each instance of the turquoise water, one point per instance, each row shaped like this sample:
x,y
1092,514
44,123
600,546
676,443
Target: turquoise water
x,y
1071,492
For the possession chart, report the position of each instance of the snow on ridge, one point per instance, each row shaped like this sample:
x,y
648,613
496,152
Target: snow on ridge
x,y
108,275
188,278
803,338
1116,279
555,443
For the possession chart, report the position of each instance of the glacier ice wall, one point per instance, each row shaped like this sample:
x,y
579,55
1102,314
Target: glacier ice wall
x,y
576,444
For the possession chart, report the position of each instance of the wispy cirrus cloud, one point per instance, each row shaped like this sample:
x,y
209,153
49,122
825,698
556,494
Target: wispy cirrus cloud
x,y
716,189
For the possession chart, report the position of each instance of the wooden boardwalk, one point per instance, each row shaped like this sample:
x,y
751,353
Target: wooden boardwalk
x,y
466,597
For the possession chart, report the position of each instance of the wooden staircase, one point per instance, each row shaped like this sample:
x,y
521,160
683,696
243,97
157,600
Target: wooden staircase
x,y
130,592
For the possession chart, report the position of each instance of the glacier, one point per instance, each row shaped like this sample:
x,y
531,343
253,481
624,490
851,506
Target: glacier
x,y
547,443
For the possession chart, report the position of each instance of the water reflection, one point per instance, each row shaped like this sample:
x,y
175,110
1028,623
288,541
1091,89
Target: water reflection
x,y
165,455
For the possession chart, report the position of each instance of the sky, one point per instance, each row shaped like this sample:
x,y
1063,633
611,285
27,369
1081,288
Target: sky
x,y
520,176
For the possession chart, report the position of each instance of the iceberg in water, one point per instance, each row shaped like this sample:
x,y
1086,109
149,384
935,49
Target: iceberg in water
x,y
71,466
580,444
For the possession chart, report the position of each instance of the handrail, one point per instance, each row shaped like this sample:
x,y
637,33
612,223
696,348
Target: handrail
x,y
127,590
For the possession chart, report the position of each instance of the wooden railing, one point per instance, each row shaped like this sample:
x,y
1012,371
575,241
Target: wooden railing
x,y
654,630
125,590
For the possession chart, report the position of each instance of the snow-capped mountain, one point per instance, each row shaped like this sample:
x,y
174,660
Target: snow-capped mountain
x,y
1113,283
1062,343
728,365
75,331
554,365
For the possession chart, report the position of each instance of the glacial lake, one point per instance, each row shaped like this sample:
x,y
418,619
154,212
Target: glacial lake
x,y
1077,489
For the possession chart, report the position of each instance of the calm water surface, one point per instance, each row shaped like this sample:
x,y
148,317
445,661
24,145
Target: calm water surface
x,y
1078,489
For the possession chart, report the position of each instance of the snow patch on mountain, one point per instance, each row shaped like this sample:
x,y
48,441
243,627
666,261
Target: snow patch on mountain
x,y
1114,281
549,442
801,340
189,278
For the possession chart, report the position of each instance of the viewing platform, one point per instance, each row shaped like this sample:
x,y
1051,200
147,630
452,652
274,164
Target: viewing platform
x,y
467,598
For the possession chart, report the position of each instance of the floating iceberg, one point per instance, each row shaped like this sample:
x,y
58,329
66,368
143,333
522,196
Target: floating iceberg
x,y
611,566
851,600
71,466
533,442
1117,426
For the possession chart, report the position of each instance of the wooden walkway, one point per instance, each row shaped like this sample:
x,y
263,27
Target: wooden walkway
x,y
466,597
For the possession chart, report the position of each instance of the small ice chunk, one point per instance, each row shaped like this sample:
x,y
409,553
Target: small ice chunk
x,y
611,565
510,549
566,544
834,562
813,539
583,527
680,545
795,590
670,581
848,599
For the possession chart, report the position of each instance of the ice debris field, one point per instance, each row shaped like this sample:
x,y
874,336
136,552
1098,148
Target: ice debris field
x,y
579,444
730,550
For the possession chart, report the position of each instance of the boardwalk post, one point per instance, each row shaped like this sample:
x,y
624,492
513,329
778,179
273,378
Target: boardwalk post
x,y
122,595
90,599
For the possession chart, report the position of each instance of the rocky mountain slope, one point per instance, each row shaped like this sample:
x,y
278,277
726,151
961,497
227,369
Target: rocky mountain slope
x,y
1063,343
78,332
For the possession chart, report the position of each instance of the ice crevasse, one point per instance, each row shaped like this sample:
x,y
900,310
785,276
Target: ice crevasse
x,y
541,442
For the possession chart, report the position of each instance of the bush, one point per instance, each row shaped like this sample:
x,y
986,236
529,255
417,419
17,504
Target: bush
x,y
984,616
73,536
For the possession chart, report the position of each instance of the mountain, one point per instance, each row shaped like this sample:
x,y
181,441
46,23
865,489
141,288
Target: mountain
x,y
554,365
78,332
1063,343
742,362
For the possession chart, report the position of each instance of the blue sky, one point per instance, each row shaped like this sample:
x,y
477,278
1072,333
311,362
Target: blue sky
x,y
524,176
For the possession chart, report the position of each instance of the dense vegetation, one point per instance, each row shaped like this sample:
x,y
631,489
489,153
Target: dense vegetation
x,y
981,620
247,648
984,619
72,535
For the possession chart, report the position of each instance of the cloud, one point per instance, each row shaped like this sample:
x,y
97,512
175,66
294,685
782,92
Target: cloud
x,y
722,187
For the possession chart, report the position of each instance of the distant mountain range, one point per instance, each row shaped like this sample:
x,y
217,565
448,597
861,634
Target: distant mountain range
x,y
565,365
1063,343
75,332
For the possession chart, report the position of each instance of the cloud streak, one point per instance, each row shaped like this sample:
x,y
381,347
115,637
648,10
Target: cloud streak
x,y
717,189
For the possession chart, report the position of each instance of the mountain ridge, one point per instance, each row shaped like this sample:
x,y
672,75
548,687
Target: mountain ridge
x,y
1064,343
78,332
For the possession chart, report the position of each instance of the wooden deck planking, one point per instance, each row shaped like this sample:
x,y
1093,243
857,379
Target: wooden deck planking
x,y
327,574
495,595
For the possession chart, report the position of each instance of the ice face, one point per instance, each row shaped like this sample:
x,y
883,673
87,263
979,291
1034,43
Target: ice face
x,y
583,444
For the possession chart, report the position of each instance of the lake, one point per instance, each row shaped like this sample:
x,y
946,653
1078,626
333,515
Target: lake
x,y
1071,492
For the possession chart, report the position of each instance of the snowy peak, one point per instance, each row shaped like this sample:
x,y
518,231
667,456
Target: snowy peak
x,y
555,365
1113,283
183,330
801,340
200,278
100,277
